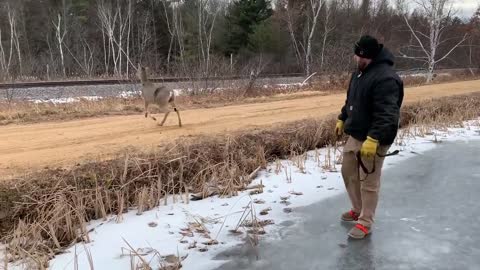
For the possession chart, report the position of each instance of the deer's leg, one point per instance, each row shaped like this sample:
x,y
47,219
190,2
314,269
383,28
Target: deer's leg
x,y
172,103
164,118
178,114
147,113
146,109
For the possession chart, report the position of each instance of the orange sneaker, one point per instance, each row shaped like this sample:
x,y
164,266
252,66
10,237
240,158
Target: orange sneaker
x,y
359,231
350,216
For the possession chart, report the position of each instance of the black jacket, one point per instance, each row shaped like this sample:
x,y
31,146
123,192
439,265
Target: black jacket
x,y
373,102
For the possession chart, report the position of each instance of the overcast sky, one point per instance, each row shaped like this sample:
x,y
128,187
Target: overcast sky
x,y
466,8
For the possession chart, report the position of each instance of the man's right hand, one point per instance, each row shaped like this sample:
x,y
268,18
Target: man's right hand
x,y
339,128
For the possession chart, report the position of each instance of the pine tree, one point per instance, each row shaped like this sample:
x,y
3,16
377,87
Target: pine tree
x,y
243,18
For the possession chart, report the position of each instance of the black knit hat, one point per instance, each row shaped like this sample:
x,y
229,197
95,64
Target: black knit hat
x,y
367,47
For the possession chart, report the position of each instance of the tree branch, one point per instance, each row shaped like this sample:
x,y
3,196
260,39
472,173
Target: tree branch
x,y
416,37
454,47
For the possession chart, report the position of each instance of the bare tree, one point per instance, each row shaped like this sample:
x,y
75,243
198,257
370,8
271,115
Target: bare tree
x,y
86,63
306,16
207,15
108,22
315,7
179,32
129,19
6,60
60,33
438,14
473,40
291,30
171,31
328,27
88,56
12,17
144,35
255,67
115,25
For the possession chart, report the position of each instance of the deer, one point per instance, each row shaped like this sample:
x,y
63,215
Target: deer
x,y
159,95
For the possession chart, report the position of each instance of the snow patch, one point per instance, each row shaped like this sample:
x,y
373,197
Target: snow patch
x,y
66,100
129,94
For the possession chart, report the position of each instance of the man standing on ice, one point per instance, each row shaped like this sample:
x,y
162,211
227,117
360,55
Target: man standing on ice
x,y
370,117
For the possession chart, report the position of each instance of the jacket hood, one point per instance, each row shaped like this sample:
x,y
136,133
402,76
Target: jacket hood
x,y
384,57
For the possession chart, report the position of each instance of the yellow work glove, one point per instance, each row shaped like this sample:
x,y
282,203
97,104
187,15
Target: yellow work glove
x,y
339,128
369,148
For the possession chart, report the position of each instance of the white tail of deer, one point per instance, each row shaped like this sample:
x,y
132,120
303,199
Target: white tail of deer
x,y
158,95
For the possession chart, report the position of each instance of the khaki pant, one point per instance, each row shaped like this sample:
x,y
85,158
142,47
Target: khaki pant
x,y
362,189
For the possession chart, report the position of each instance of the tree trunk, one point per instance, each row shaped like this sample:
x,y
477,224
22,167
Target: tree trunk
x,y
315,5
431,69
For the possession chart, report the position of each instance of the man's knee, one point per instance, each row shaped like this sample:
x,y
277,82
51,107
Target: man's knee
x,y
370,188
371,183
349,167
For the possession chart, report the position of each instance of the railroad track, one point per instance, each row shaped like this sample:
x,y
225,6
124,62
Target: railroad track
x,y
42,84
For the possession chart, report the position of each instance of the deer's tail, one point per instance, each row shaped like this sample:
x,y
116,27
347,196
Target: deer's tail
x,y
172,97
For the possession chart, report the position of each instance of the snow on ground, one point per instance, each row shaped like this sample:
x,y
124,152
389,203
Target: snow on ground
x,y
130,94
286,85
66,100
188,230
425,75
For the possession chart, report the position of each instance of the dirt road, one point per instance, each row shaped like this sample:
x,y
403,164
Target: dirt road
x,y
31,147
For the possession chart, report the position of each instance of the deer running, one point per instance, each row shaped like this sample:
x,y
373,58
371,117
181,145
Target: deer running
x,y
159,95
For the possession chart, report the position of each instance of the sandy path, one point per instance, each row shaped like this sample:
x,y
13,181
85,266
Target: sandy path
x,y
34,146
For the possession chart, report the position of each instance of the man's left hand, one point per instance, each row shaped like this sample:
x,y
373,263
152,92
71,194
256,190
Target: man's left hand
x,y
369,148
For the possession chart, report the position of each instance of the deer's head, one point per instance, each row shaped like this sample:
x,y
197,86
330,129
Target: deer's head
x,y
142,73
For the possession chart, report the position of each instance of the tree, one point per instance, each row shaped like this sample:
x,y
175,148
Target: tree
x,y
328,27
266,39
438,17
197,38
312,19
474,41
242,18
60,33
116,26
6,60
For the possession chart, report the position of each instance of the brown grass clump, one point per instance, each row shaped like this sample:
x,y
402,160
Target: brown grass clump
x,y
45,212
442,112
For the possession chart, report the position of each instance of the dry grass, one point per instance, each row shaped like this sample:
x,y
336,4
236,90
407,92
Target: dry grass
x,y
454,76
28,112
47,211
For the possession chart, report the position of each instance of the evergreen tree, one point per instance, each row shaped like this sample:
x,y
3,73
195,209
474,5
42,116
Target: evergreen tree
x,y
243,17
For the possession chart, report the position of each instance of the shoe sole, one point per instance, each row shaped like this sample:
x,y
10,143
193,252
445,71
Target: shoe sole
x,y
358,238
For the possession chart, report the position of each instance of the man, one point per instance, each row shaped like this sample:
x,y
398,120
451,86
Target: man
x,y
370,117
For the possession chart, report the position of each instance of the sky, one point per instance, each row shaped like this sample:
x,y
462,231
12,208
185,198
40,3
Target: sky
x,y
466,8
